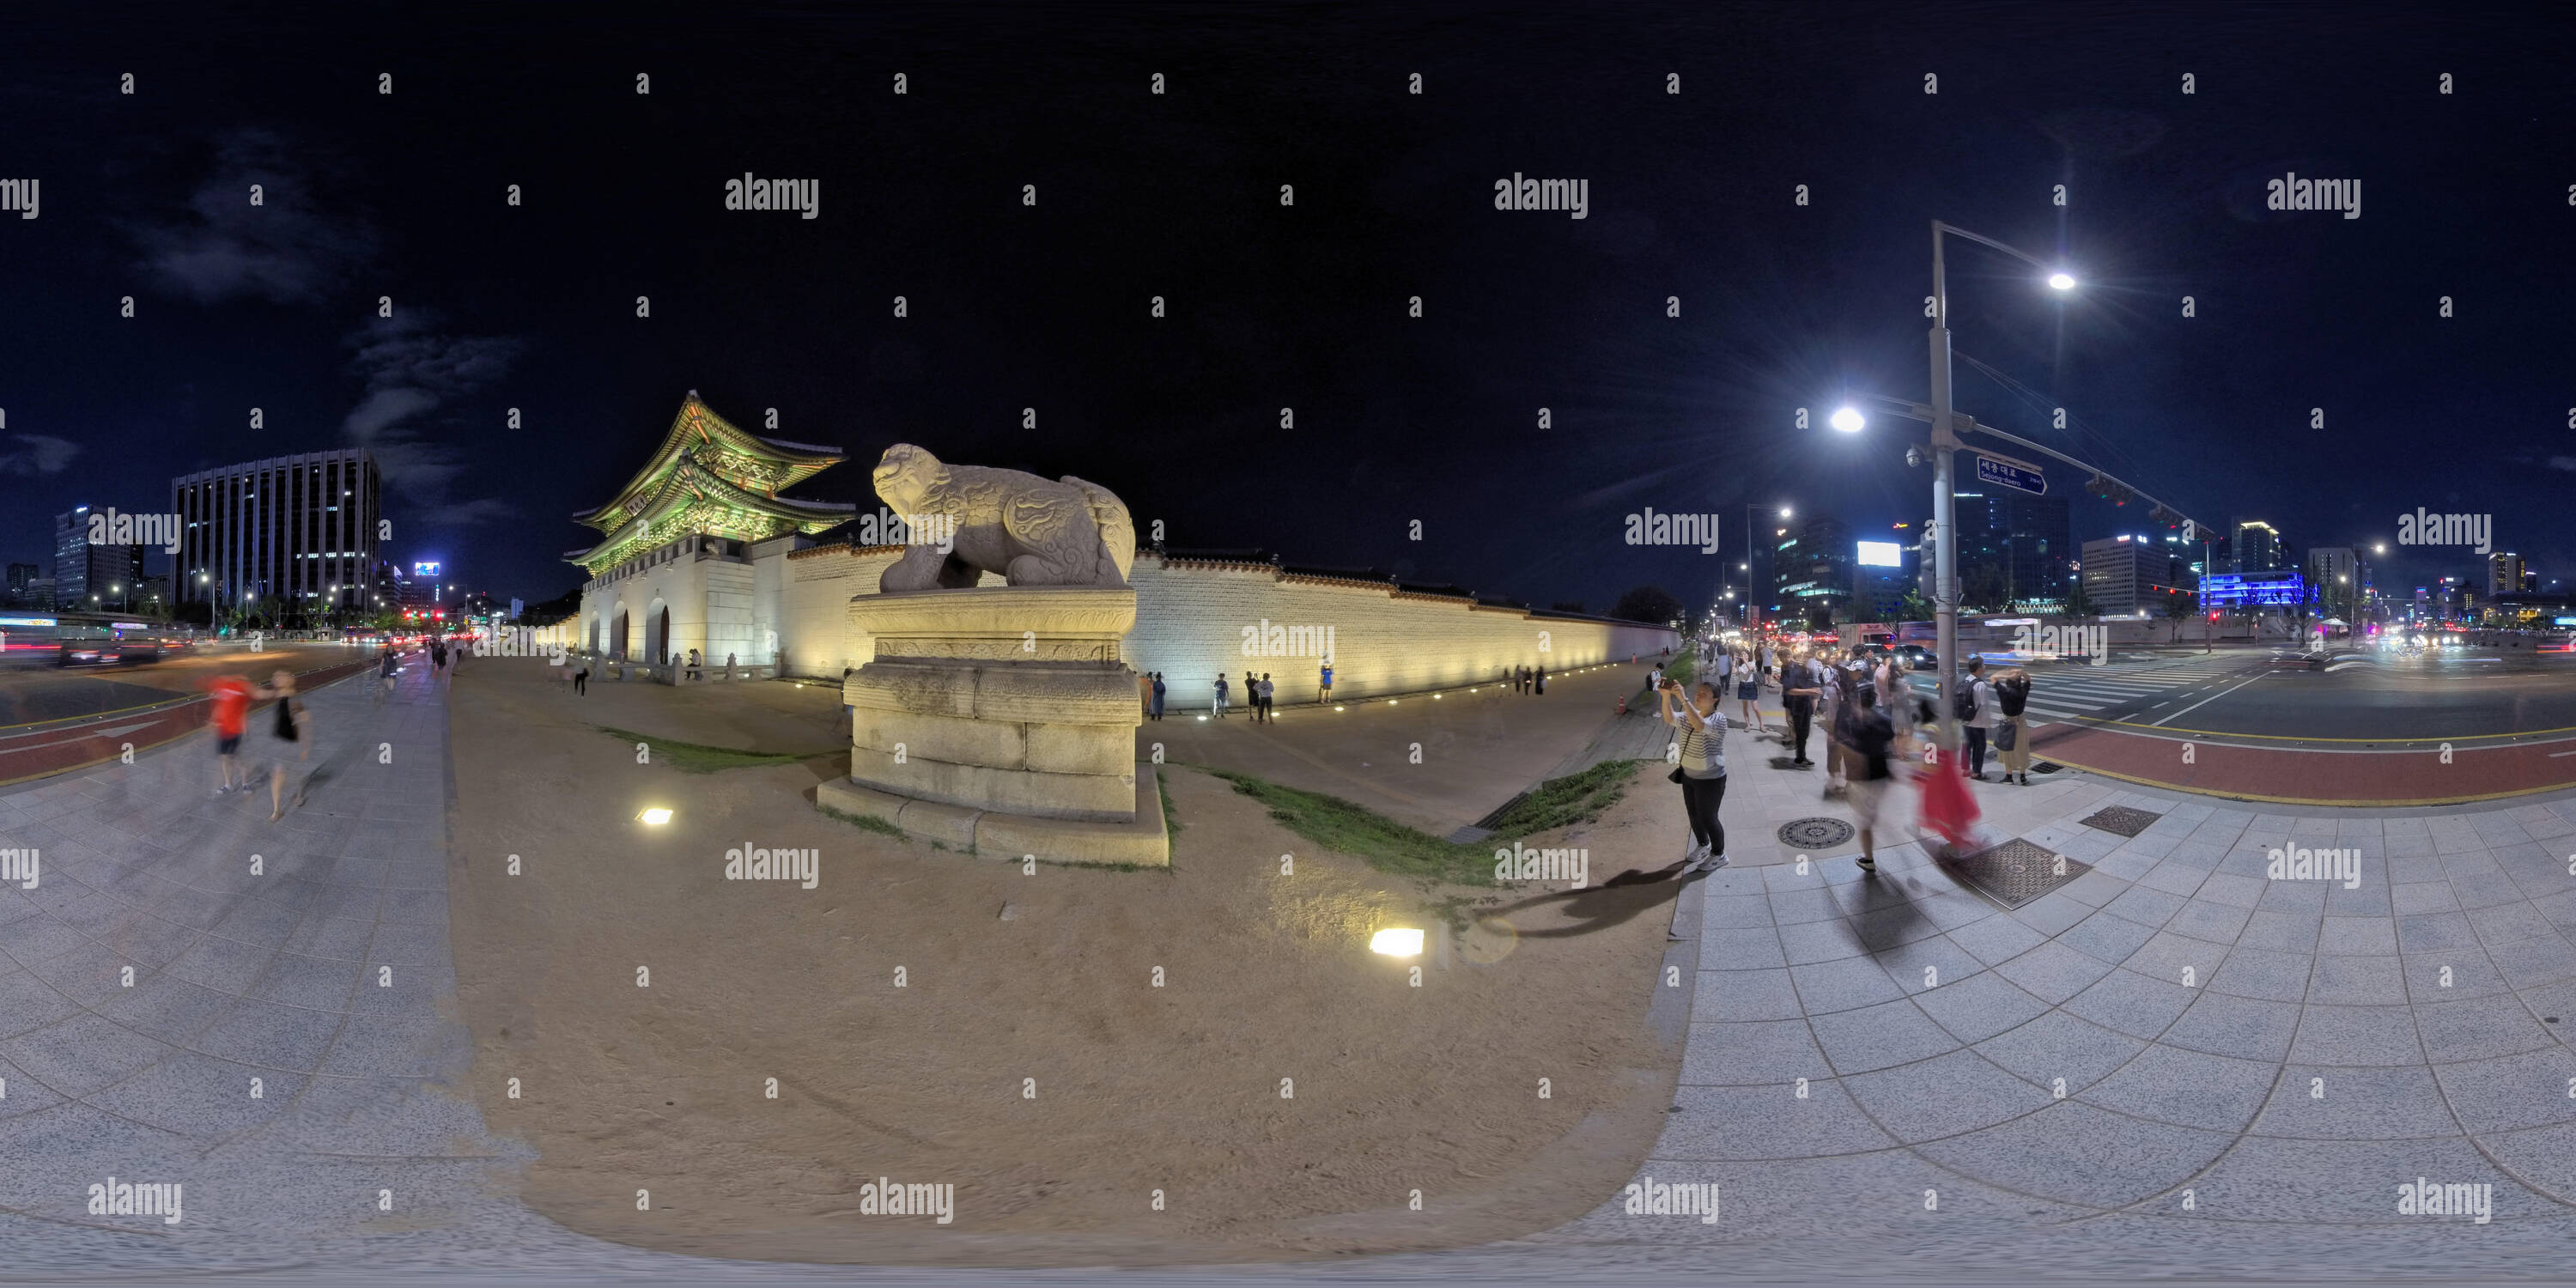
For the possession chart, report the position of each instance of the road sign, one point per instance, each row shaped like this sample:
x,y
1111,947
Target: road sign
x,y
2007,472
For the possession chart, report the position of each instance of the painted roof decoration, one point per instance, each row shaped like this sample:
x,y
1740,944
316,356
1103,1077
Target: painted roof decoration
x,y
711,477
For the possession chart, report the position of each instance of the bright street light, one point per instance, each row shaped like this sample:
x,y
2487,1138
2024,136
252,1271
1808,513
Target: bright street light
x,y
2060,281
1848,420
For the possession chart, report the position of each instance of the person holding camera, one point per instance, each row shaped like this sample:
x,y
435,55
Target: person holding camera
x,y
1700,729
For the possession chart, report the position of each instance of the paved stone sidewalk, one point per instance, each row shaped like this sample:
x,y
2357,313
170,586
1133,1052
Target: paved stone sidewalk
x,y
2284,1053
326,977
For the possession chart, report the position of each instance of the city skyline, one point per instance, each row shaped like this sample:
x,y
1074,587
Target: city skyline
x,y
411,310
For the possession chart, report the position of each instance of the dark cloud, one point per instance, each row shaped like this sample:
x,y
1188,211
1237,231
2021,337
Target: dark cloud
x,y
38,454
289,249
411,369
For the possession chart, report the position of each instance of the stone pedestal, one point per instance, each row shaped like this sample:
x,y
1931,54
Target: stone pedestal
x,y
1002,720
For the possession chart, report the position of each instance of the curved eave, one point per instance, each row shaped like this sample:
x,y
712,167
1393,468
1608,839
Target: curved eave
x,y
697,422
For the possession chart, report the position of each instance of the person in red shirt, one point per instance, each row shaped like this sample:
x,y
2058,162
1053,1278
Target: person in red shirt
x,y
231,711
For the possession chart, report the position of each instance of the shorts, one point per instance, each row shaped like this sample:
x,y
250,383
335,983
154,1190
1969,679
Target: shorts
x,y
227,743
1864,796
1748,691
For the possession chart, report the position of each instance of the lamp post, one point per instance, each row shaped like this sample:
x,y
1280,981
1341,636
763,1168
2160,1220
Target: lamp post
x,y
1945,442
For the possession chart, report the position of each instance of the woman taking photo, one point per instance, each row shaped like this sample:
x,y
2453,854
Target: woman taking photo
x,y
1700,728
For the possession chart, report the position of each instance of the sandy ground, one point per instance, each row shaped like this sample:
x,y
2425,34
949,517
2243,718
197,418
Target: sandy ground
x,y
1138,1088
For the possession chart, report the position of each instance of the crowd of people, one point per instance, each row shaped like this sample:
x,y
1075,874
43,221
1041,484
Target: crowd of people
x,y
1873,725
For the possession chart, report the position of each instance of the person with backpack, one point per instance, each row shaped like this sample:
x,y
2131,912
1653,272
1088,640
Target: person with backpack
x,y
1975,707
2012,736
1870,735
1700,737
1157,713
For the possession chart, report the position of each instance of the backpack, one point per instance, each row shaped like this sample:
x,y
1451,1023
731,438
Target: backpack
x,y
1963,702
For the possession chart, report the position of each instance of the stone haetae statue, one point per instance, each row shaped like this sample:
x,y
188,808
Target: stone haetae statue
x,y
1031,531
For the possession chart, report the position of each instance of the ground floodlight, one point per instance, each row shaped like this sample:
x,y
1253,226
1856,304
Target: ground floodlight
x,y
1397,942
654,817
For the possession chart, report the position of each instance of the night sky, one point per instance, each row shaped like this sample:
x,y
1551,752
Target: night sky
x,y
2465,194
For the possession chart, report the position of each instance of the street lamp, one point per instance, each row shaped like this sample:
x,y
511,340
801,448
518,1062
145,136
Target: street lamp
x,y
1945,444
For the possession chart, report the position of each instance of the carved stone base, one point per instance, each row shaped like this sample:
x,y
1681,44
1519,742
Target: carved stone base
x,y
1001,719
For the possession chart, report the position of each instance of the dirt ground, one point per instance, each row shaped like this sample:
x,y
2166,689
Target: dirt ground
x,y
1007,977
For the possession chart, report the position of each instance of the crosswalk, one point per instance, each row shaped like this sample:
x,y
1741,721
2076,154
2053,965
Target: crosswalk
x,y
2122,690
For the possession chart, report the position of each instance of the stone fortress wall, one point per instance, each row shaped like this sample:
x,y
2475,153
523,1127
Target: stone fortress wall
x,y
1192,617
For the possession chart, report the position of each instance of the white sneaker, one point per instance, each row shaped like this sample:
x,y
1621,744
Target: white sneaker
x,y
1712,863
1690,857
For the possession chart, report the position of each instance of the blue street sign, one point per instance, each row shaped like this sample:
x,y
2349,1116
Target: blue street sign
x,y
2011,474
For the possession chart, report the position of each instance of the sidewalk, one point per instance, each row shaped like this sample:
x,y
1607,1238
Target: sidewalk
x,y
2187,1003
274,976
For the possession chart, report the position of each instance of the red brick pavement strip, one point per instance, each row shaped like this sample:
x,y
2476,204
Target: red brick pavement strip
x,y
2297,776
46,752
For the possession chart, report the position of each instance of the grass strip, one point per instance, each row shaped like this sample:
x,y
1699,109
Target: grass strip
x,y
699,758
1389,846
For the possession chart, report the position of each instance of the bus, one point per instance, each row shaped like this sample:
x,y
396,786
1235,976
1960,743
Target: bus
x,y
86,639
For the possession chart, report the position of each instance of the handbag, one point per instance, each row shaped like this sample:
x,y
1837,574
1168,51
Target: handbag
x,y
2009,736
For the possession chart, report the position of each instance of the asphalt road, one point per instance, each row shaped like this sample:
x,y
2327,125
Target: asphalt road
x,y
38,693
2448,694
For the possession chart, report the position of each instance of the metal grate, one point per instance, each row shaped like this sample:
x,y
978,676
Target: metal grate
x,y
2017,871
1815,833
2045,767
2122,820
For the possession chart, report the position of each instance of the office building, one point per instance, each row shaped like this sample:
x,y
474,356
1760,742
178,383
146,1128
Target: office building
x,y
90,576
2256,546
291,528
1811,570
1882,576
2016,552
2131,574
2504,573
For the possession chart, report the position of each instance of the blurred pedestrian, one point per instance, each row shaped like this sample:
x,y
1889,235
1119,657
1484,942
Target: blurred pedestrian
x,y
1871,735
1219,708
230,707
1800,684
1266,693
1158,695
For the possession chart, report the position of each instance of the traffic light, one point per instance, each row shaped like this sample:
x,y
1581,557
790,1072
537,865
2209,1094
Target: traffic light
x,y
2109,490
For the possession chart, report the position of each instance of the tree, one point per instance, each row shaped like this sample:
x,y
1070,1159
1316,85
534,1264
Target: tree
x,y
1647,604
2173,608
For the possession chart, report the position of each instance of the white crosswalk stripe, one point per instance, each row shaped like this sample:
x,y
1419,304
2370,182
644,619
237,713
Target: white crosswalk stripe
x,y
2077,692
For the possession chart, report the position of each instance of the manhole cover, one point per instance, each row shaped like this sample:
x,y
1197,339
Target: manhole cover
x,y
1815,833
2122,820
2017,871
2045,766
